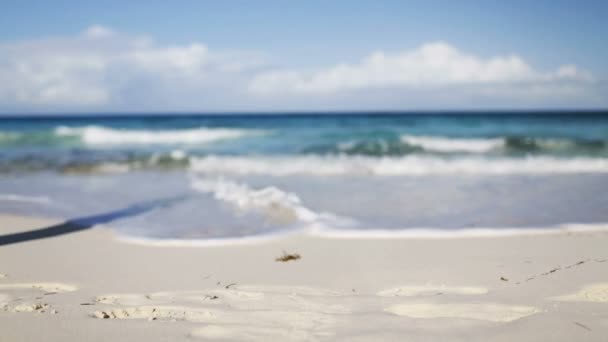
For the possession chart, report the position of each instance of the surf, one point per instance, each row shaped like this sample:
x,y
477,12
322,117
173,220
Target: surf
x,y
99,135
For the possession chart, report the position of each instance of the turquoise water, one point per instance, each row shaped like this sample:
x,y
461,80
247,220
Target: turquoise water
x,y
250,175
60,143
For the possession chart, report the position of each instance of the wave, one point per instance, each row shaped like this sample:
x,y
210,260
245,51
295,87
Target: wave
x,y
554,145
24,199
441,144
32,138
316,165
176,159
99,135
392,166
434,233
371,147
371,234
80,162
273,210
275,205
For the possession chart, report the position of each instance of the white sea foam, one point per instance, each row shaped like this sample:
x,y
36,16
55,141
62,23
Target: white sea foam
x,y
275,205
98,135
25,199
211,242
392,166
178,154
442,144
436,233
374,234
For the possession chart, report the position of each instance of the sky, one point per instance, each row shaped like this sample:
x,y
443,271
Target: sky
x,y
226,56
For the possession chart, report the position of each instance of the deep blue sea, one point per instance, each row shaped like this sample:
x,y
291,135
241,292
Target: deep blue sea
x,y
210,177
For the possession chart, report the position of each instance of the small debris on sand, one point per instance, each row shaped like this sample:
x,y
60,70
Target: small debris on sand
x,y
582,326
288,257
101,314
504,279
553,270
28,307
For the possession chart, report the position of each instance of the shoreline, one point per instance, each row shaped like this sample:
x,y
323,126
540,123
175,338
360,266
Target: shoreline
x,y
523,287
337,234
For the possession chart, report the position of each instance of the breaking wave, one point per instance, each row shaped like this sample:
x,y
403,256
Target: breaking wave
x,y
555,145
25,199
388,166
370,147
440,144
273,204
99,135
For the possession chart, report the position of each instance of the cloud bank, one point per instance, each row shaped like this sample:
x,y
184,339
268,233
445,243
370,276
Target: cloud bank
x,y
100,68
104,69
431,65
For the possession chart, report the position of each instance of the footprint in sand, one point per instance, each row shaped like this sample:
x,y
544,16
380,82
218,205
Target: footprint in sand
x,y
30,307
44,287
239,297
240,312
28,295
211,296
430,290
166,313
478,311
596,293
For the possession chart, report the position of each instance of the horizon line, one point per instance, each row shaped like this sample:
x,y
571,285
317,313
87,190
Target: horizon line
x,y
77,114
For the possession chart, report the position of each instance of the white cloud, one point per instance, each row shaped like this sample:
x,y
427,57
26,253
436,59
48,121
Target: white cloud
x,y
185,59
94,68
431,65
98,31
103,69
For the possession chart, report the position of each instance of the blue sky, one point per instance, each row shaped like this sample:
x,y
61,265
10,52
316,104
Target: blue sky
x,y
305,55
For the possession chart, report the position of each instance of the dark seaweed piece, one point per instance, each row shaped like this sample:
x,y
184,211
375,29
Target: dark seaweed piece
x,y
288,257
582,326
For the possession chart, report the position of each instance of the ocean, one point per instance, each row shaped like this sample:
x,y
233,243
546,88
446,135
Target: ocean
x,y
224,178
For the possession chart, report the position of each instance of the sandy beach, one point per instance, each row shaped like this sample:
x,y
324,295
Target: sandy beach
x,y
349,171
88,285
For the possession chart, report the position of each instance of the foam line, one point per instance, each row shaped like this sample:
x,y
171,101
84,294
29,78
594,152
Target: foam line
x,y
98,135
323,232
441,144
393,166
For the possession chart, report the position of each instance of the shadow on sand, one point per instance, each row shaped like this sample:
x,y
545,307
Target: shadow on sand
x,y
83,223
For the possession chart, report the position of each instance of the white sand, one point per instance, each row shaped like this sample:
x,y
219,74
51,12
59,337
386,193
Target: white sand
x,y
88,286
484,312
595,293
430,290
